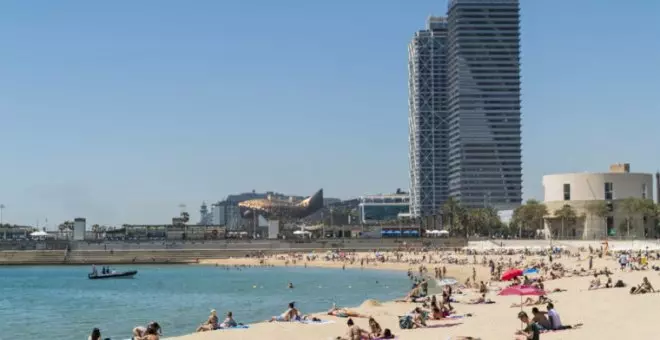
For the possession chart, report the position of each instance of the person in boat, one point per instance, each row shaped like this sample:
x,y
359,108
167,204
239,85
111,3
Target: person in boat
x,y
94,272
141,332
210,324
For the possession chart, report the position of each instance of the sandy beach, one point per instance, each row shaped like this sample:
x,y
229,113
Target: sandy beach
x,y
602,312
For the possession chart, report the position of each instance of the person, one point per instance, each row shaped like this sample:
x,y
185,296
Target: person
x,y
210,324
541,319
595,283
375,330
140,332
96,334
418,318
151,332
354,332
291,314
229,321
387,334
94,272
608,284
344,313
555,320
290,285
532,330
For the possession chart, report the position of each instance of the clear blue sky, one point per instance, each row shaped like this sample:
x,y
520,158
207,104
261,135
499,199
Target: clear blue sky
x,y
118,111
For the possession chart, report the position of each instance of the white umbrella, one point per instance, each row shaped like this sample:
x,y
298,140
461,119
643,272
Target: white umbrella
x,y
301,232
39,234
443,232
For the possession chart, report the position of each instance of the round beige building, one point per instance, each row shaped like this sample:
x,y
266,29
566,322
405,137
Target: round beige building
x,y
584,191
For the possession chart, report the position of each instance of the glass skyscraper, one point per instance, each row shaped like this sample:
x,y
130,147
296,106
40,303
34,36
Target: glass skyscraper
x,y
464,108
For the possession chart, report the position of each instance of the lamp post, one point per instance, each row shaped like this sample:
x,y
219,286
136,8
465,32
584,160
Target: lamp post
x,y
2,207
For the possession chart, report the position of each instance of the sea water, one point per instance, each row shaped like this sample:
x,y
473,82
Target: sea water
x,y
60,303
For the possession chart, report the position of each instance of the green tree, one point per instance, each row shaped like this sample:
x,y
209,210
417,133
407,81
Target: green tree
x,y
631,207
483,221
598,209
568,217
529,216
454,215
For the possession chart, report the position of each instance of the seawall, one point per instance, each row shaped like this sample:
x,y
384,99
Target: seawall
x,y
182,253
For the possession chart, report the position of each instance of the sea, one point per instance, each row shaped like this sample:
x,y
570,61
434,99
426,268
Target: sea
x,y
61,303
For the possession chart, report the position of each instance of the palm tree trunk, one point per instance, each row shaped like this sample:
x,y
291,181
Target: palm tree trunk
x,y
628,224
562,227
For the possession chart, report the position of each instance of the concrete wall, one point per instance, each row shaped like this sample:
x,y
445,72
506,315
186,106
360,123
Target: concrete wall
x,y
589,188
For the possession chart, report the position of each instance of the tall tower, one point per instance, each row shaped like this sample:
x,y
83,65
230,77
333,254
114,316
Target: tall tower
x,y
427,105
464,105
657,187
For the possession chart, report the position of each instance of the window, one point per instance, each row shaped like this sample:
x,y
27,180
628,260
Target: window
x,y
609,191
567,191
644,191
610,226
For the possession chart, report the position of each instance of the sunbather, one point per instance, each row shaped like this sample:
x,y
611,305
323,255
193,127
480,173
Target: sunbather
x,y
291,314
345,313
354,332
210,324
531,302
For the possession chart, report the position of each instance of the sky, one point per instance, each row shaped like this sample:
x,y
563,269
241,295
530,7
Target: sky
x,y
120,111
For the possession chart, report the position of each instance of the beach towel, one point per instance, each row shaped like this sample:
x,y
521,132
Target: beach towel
x,y
235,327
320,322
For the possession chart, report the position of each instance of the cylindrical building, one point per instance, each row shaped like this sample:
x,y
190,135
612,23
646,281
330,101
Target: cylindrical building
x,y
584,191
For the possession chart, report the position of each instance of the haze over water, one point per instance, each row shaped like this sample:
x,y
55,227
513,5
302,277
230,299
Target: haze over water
x,y
60,303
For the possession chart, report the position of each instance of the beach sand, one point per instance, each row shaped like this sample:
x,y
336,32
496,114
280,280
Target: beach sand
x,y
605,313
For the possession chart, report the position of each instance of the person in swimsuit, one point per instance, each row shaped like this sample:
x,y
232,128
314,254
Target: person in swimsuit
x,y
374,327
354,332
345,313
141,331
210,324
290,314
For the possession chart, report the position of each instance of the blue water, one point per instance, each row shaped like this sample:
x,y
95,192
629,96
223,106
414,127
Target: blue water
x,y
60,303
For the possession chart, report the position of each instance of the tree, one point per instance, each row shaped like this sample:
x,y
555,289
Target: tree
x,y
529,216
567,215
454,214
631,206
65,226
599,209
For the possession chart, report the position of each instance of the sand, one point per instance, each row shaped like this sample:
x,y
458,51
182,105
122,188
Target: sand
x,y
605,313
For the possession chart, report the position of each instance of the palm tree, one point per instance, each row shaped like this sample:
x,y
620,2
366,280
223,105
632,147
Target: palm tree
x,y
631,206
567,214
599,209
454,212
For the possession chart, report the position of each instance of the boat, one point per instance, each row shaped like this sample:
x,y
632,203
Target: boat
x,y
117,275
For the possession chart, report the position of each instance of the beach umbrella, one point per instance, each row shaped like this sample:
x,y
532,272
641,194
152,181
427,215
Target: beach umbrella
x,y
443,232
511,274
531,270
521,291
447,281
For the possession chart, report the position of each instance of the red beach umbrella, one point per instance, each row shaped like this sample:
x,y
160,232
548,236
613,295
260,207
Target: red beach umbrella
x,y
511,274
521,290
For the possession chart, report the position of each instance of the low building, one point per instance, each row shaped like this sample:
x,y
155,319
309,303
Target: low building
x,y
374,209
583,191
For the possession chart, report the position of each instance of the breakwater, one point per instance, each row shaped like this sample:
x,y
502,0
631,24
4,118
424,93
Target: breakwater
x,y
191,252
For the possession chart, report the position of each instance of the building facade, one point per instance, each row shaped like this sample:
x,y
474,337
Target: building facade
x,y
464,108
375,209
582,191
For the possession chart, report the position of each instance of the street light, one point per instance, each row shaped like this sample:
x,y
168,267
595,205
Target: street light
x,y
2,207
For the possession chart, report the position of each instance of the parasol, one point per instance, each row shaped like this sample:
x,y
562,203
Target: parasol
x,y
511,274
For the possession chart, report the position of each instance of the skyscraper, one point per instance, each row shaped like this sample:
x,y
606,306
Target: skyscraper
x,y
464,103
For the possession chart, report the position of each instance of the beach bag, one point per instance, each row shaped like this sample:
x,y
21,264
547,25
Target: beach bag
x,y
405,322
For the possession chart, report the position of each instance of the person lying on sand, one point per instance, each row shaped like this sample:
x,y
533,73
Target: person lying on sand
x,y
387,334
345,313
354,332
418,318
210,324
480,300
530,302
291,314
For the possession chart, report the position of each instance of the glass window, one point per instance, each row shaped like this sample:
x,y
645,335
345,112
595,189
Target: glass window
x,y
609,191
567,191
644,191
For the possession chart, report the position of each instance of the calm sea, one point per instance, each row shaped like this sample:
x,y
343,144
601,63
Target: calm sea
x,y
60,303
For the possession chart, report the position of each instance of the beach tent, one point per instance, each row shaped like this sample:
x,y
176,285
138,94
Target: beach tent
x,y
301,232
443,232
